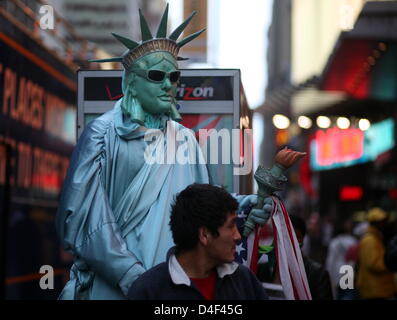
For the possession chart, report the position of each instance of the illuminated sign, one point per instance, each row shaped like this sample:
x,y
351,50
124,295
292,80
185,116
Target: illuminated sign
x,y
37,118
336,148
350,193
209,88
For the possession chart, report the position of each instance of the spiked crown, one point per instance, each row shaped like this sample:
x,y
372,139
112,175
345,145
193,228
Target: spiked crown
x,y
151,44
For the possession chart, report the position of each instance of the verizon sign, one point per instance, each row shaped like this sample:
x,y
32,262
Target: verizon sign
x,y
189,89
205,88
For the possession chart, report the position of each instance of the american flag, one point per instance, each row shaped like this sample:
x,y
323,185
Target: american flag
x,y
289,259
247,247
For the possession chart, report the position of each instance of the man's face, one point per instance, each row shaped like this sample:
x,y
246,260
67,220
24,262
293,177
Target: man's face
x,y
223,247
156,97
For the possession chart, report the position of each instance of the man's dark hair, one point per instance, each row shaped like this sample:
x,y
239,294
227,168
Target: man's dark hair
x,y
298,223
199,205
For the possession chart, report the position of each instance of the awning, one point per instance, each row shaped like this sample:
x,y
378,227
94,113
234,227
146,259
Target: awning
x,y
362,68
363,63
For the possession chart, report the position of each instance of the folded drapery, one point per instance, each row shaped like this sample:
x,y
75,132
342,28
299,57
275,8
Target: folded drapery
x,y
289,257
288,254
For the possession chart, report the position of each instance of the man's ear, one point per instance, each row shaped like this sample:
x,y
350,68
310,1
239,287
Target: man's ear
x,y
203,236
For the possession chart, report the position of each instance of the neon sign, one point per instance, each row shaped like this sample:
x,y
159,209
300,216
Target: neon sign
x,y
335,148
350,193
337,145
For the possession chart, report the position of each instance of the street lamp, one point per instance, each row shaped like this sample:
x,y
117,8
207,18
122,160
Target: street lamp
x,y
364,124
343,123
280,121
304,122
323,122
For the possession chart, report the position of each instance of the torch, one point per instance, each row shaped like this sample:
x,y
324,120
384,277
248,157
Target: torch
x,y
271,180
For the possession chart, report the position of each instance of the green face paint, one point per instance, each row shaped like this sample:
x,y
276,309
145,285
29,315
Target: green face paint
x,y
155,98
147,99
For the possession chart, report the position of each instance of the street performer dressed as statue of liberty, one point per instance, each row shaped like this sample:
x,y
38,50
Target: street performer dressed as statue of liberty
x,y
114,209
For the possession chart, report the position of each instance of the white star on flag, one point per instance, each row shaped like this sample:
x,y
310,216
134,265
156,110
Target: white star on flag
x,y
240,248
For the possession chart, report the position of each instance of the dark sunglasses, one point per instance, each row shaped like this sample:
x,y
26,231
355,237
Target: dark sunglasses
x,y
157,75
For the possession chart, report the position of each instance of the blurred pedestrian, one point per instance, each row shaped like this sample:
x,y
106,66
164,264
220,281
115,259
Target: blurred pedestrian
x,y
317,276
336,257
375,280
352,252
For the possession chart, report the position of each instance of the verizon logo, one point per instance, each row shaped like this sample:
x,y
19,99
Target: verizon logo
x,y
194,93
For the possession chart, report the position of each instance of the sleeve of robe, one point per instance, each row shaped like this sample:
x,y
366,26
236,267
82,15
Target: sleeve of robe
x,y
85,221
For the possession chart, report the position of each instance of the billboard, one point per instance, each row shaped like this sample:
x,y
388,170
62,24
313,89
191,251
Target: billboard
x,y
37,121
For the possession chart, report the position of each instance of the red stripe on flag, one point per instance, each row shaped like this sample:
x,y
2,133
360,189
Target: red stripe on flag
x,y
255,252
288,223
275,236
